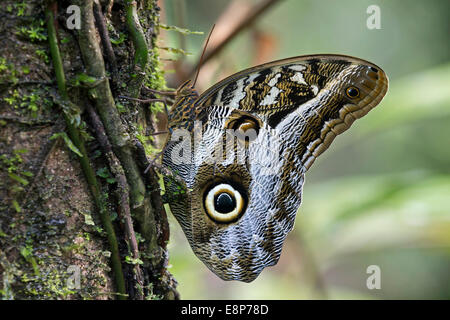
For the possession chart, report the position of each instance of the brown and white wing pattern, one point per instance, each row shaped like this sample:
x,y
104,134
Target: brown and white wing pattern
x,y
243,193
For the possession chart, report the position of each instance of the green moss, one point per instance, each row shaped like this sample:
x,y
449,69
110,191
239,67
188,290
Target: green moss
x,y
105,174
3,64
8,72
35,32
120,40
17,178
20,8
33,103
146,141
27,253
43,55
44,273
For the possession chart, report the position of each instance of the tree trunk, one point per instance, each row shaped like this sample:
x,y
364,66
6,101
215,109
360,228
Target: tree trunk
x,y
79,219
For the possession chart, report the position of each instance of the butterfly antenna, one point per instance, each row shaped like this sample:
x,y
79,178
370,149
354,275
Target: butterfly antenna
x,y
201,57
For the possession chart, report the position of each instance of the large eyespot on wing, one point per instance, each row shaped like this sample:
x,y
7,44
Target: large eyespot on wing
x,y
224,203
244,126
238,241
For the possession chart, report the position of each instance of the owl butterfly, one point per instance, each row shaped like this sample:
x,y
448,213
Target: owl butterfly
x,y
242,148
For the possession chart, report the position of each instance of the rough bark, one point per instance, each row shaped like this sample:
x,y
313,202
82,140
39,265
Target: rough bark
x,y
73,191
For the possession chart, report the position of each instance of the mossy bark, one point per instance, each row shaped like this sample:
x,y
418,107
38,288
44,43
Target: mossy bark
x,y
58,218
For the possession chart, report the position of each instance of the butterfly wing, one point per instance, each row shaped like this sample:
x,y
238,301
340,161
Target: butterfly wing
x,y
254,135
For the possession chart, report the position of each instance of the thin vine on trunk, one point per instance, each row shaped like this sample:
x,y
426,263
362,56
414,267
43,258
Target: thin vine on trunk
x,y
79,219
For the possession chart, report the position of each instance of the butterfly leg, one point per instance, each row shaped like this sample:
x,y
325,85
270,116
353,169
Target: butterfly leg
x,y
163,93
148,101
153,162
149,164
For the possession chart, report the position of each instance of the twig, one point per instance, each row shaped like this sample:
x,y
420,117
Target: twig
x,y
243,24
164,235
47,150
140,47
142,206
148,101
29,122
26,83
105,105
106,41
137,35
160,92
109,6
122,193
74,135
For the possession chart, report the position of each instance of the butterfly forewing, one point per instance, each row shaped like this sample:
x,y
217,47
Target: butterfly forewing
x,y
242,193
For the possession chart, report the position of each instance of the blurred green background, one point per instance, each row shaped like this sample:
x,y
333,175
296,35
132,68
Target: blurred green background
x,y
381,194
